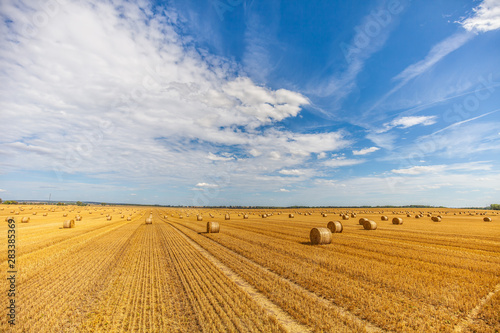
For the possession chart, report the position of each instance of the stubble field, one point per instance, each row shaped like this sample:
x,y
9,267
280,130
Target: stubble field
x,y
258,274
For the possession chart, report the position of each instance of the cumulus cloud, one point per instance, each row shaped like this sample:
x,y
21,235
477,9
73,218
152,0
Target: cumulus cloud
x,y
486,17
284,190
365,151
113,90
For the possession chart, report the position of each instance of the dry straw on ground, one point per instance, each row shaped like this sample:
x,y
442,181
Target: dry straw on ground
x,y
213,227
320,236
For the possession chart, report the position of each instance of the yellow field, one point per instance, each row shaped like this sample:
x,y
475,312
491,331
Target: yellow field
x,y
255,275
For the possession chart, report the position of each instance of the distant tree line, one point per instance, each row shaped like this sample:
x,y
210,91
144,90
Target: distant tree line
x,y
495,206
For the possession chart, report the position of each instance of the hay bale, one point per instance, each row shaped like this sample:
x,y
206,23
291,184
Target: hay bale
x,y
353,215
227,217
436,219
211,215
129,218
335,226
408,215
9,218
34,213
487,219
264,216
291,216
370,225
245,216
149,220
345,217
78,218
109,218
324,215
69,224
122,216
320,236
397,220
199,218
362,220
44,214
25,219
213,227
384,218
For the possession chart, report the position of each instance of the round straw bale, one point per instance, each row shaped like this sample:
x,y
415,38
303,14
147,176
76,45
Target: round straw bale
x,y
211,215
65,214
264,216
9,218
353,215
227,217
397,220
149,220
199,218
487,219
369,225
245,216
122,216
12,211
384,218
436,219
291,216
78,218
109,218
213,227
44,214
345,217
69,224
320,236
129,218
25,219
324,215
335,226
408,215
34,213
362,220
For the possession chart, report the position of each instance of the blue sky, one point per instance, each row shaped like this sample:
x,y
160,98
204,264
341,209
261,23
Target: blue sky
x,y
230,102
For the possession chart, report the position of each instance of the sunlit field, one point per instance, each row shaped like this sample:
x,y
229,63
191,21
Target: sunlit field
x,y
114,272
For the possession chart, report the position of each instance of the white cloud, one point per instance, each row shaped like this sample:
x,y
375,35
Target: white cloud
x,y
284,190
154,107
133,194
214,157
206,185
405,122
464,167
321,155
365,151
292,172
2,190
486,17
341,161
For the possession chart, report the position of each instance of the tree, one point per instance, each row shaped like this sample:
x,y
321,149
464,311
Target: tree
x,y
495,206
0,200
79,203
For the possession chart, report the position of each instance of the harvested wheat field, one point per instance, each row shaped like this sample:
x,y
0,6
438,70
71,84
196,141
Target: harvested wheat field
x,y
255,274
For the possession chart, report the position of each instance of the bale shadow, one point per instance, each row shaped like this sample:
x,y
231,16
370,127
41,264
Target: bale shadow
x,y
306,243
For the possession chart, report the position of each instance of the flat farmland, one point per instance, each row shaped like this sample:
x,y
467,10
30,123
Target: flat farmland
x,y
259,273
